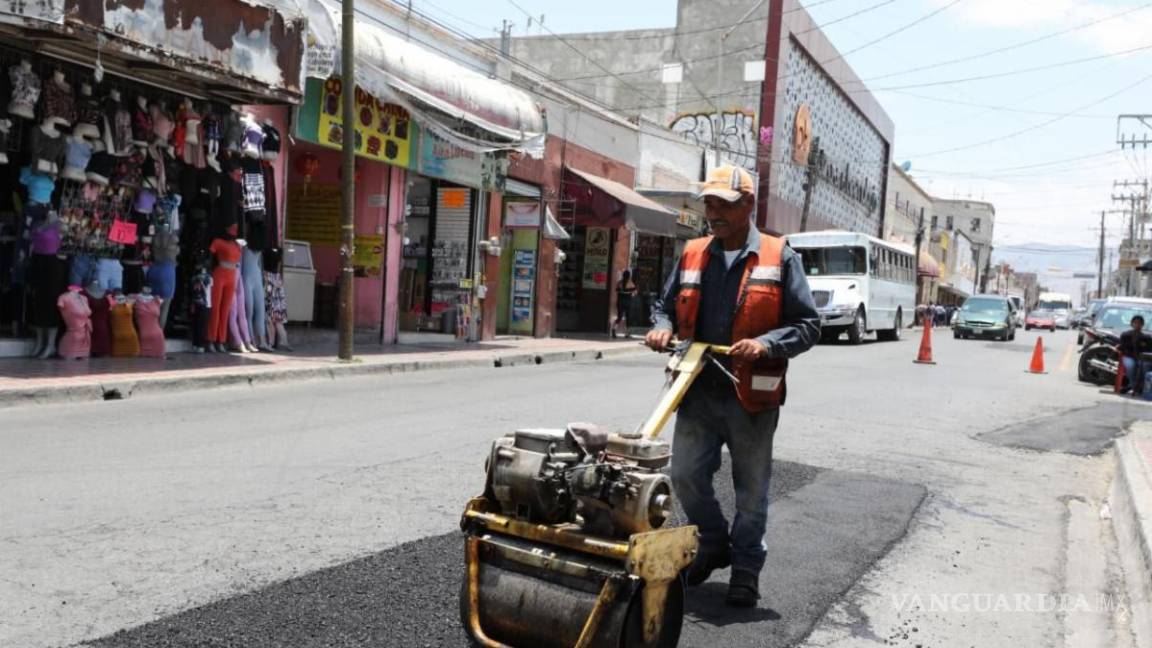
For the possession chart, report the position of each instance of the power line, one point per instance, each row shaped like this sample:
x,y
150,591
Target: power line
x,y
1009,48
1034,127
997,108
894,32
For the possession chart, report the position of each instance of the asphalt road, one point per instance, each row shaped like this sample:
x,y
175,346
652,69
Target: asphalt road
x,y
324,514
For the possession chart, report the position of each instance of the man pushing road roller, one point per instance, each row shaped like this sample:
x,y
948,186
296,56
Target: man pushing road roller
x,y
746,289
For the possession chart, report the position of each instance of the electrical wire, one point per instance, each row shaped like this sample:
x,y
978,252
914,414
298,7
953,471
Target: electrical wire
x,y
1008,48
894,32
1000,108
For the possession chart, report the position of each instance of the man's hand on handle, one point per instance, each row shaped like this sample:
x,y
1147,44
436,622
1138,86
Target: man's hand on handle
x,y
658,339
749,350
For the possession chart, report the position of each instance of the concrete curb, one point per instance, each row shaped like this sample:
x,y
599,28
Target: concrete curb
x,y
121,389
1131,502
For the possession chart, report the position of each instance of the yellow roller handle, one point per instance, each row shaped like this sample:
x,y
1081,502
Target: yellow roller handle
x,y
689,365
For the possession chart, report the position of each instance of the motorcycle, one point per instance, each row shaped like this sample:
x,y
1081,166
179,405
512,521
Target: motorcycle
x,y
1099,357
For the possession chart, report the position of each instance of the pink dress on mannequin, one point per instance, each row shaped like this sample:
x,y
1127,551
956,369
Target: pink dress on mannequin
x,y
74,310
148,325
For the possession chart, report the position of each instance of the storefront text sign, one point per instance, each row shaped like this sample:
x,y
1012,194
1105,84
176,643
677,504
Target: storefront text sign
x,y
597,249
439,158
522,214
383,131
368,257
313,213
523,279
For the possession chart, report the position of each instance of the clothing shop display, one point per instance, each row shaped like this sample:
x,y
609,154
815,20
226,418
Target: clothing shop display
x,y
89,117
77,155
162,124
5,134
25,90
82,270
238,331
109,274
100,309
233,132
76,344
101,167
224,278
200,292
58,101
40,186
118,127
46,148
271,142
253,144
252,276
47,278
147,313
141,123
125,342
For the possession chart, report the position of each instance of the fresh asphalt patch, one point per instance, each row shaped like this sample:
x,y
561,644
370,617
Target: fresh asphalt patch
x,y
826,529
1086,431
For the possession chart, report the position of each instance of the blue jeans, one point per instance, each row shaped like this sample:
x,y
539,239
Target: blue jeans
x,y
706,422
82,270
109,274
1135,371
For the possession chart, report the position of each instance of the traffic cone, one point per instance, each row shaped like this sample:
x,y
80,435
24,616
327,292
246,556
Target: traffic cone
x,y
1037,366
925,355
1121,373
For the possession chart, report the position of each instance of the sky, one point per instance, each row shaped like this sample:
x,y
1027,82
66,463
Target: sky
x,y
1040,144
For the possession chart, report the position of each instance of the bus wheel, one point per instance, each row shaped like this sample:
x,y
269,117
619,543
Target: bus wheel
x,y
858,329
893,335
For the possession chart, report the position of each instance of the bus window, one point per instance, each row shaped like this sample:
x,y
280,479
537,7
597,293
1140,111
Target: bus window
x,y
833,260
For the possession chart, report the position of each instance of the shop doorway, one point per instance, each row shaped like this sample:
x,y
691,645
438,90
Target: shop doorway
x,y
583,292
439,258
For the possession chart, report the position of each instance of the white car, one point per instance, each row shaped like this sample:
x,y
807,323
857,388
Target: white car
x,y
1063,318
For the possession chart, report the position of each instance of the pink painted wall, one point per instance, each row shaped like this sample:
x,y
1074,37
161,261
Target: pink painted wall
x,y
393,253
370,220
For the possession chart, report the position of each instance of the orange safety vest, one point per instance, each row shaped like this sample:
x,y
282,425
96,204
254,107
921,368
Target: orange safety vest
x,y
761,383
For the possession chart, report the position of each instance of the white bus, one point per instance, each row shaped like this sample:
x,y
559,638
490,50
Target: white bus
x,y
1061,306
860,283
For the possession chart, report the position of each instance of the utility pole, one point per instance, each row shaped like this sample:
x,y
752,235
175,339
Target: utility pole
x,y
348,184
811,177
1129,254
1100,273
919,242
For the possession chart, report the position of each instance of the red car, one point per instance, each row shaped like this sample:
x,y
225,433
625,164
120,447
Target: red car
x,y
1040,319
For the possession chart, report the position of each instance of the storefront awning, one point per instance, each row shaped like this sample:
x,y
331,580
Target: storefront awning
x,y
552,227
953,290
929,267
436,89
624,206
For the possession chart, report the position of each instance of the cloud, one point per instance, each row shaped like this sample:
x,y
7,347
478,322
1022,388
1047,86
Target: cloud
x,y
1118,34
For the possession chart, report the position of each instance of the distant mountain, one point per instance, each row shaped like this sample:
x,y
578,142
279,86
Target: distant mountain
x,y
1055,264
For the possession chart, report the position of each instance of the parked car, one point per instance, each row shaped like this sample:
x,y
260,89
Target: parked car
x,y
1089,315
1063,317
1115,316
1041,319
985,316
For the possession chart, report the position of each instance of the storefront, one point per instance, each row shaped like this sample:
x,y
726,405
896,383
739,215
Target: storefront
x,y
431,139
605,215
524,215
119,167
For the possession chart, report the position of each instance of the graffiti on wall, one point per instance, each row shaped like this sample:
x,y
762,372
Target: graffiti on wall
x,y
736,131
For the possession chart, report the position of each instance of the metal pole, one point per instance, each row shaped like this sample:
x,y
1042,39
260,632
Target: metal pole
x,y
348,184
1100,273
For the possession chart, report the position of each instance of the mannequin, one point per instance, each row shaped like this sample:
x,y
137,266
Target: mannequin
x,y
74,310
125,343
88,115
78,154
276,307
226,252
141,124
5,133
233,131
252,276
212,140
241,334
253,144
147,311
59,102
100,308
25,90
162,272
47,148
201,310
271,141
162,124
193,150
118,135
47,273
102,165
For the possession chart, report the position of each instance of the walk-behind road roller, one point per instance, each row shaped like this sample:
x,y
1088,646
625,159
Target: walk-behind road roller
x,y
568,544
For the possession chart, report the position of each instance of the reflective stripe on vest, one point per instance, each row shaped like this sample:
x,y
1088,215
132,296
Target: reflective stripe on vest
x,y
761,384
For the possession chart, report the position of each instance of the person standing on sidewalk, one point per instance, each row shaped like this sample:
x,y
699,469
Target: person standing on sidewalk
x,y
746,289
625,291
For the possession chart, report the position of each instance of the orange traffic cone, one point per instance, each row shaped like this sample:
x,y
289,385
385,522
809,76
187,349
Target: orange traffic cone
x,y
1121,374
925,355
1037,366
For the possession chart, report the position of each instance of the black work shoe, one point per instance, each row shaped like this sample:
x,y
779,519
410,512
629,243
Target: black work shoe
x,y
743,589
704,564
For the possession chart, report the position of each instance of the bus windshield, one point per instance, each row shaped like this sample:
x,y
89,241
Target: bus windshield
x,y
834,260
1054,305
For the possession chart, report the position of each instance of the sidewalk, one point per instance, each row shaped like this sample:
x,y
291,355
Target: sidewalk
x,y
1131,508
29,381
